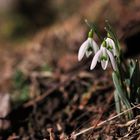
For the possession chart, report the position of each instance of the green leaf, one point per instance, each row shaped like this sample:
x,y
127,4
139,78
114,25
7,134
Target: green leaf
x,y
121,93
138,95
132,66
135,75
138,90
117,102
134,80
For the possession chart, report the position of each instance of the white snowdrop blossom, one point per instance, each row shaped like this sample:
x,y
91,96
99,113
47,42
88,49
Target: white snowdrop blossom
x,y
103,56
111,46
88,47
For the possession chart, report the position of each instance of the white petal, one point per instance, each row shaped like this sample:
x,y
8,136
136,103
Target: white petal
x,y
95,46
82,50
112,59
104,53
111,43
90,42
101,49
104,64
95,59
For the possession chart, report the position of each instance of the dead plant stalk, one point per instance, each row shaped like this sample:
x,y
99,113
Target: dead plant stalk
x,y
104,122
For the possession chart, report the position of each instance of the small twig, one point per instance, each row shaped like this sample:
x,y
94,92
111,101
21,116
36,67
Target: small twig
x,y
104,122
100,116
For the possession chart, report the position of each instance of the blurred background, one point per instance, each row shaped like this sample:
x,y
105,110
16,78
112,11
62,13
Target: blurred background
x,y
45,35
21,19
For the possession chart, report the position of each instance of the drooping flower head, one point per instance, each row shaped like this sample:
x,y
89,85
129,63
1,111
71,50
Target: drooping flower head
x,y
88,46
103,56
111,45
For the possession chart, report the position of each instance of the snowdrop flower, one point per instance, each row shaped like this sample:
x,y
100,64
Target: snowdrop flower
x,y
88,47
103,56
111,46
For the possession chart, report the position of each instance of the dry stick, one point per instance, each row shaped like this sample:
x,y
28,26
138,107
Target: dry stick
x,y
101,115
102,123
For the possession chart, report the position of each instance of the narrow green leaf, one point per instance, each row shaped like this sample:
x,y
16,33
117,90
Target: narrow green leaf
x,y
134,80
117,102
138,95
121,92
131,66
